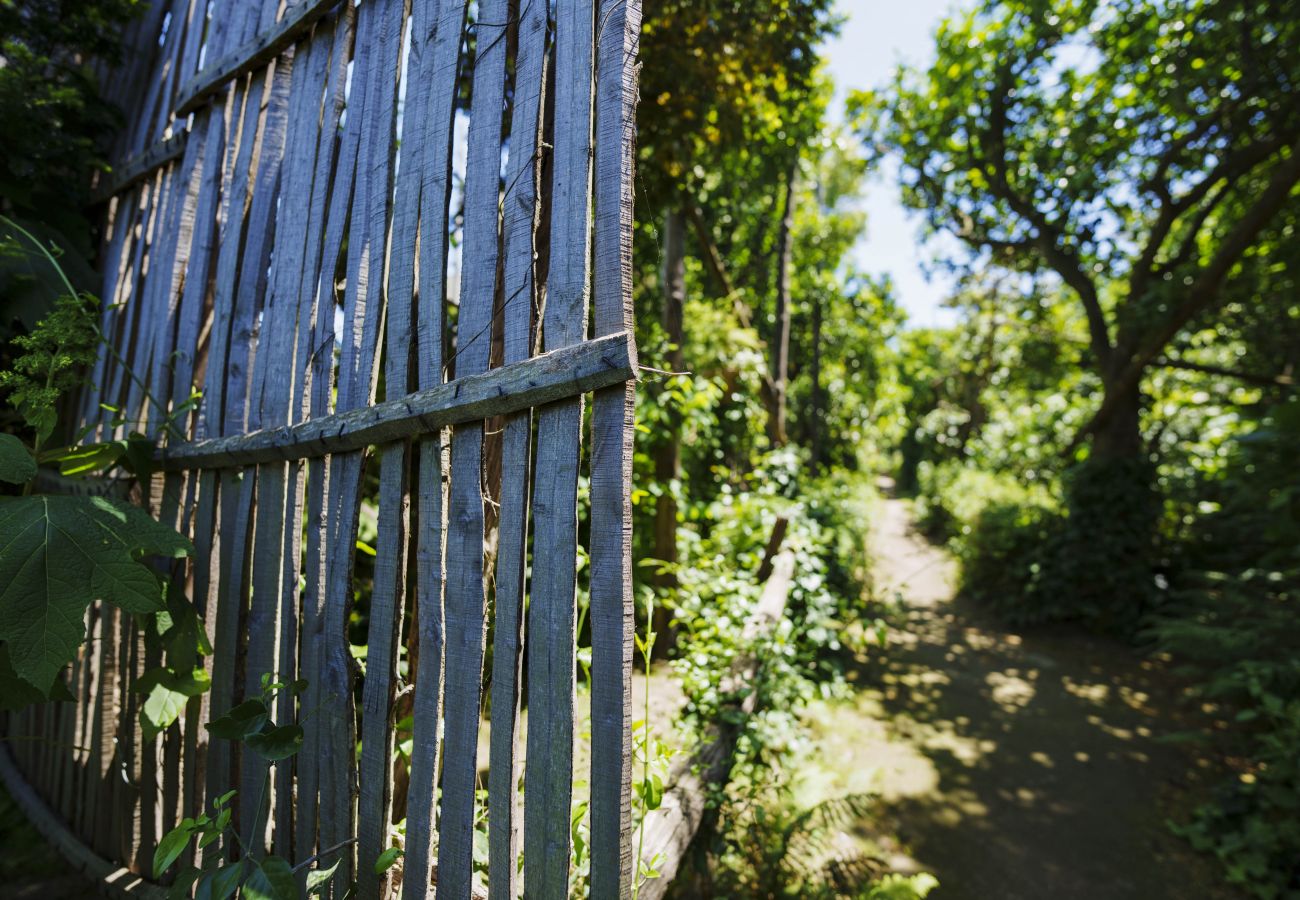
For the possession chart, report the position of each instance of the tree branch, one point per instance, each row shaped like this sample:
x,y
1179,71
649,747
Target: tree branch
x,y
1229,170
1204,293
1248,377
1048,237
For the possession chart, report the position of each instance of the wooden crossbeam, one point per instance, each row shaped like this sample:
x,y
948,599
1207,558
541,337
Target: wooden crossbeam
x,y
140,166
568,372
252,55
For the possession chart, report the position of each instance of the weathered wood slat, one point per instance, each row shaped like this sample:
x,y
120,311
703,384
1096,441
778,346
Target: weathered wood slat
x,y
250,56
263,623
612,430
374,813
566,372
548,767
521,208
436,41
371,115
316,305
141,166
466,599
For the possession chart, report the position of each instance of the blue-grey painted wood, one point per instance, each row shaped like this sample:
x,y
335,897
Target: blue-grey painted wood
x,y
520,215
548,767
436,43
613,870
465,601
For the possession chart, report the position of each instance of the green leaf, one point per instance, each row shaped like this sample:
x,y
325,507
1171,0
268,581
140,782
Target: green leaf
x,y
277,743
16,464
88,458
219,883
168,693
160,709
387,859
244,720
318,878
16,694
272,879
58,554
172,846
180,889
138,457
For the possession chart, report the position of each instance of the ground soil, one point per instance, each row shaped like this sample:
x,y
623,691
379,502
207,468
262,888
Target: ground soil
x,y
1011,765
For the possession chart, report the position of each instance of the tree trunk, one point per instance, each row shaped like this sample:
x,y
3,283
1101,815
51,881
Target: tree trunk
x,y
1120,437
1105,554
781,344
668,461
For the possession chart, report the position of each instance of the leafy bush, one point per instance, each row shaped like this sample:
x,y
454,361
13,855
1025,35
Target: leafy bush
x,y
998,529
1231,624
1034,558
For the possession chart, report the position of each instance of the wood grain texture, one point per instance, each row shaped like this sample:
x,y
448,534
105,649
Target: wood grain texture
x,y
465,601
252,55
566,372
520,215
374,813
612,431
548,771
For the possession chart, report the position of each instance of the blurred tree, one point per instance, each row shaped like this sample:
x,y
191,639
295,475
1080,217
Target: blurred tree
x,y
1139,151
55,131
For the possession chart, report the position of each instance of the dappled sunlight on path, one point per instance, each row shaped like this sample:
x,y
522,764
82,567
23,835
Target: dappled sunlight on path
x,y
1011,766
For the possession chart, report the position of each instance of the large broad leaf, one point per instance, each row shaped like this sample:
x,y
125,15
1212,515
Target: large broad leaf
x,y
16,694
57,554
271,879
16,464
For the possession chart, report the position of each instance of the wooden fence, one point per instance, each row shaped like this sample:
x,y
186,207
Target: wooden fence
x,y
358,268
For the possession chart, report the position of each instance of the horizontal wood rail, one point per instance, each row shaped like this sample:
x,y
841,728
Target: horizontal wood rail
x,y
567,372
140,166
670,829
253,55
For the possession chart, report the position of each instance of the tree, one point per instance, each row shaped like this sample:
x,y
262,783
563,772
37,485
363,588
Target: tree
x,y
54,137
1137,151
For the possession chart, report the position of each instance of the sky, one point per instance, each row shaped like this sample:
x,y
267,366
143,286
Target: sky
x,y
874,39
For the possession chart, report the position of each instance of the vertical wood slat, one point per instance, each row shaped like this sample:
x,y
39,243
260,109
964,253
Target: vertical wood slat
x,y
466,599
316,303
263,621
386,601
228,264
520,205
613,869
548,772
436,38
375,122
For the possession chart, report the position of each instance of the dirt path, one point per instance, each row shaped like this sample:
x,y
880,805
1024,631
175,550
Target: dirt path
x,y
1011,766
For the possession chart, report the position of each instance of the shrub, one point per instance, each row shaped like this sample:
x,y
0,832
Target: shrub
x,y
1231,624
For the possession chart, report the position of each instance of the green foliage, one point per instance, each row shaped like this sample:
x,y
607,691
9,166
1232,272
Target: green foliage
x,y
52,361
56,124
16,463
61,554
256,875
1231,624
